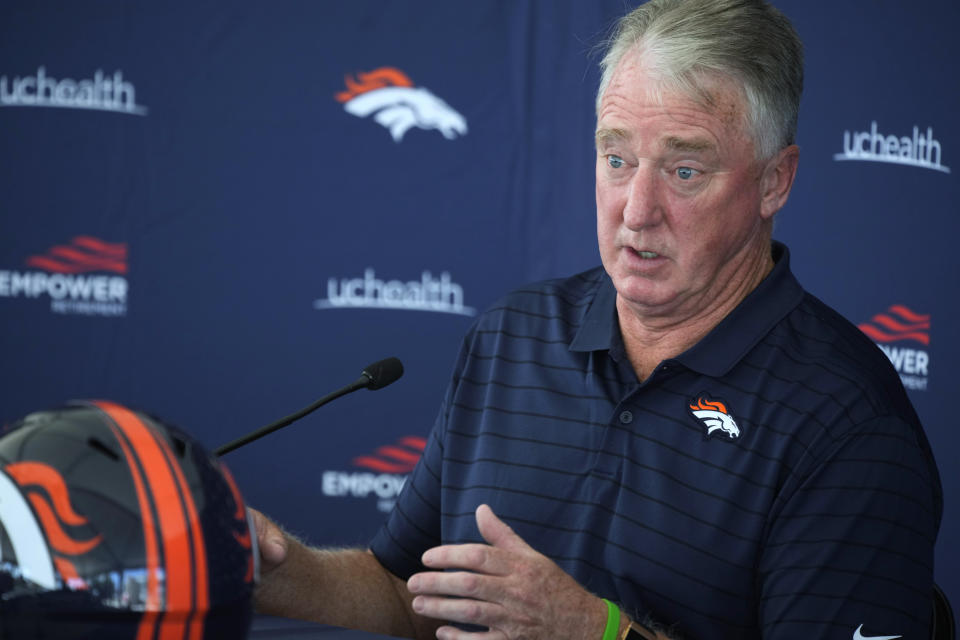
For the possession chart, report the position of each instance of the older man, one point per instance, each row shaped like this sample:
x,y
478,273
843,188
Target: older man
x,y
683,440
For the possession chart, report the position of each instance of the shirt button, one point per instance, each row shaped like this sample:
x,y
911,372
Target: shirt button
x,y
626,417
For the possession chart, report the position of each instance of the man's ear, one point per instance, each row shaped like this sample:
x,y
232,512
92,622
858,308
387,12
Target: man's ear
x,y
777,180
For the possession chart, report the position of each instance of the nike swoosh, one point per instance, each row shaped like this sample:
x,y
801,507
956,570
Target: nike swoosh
x,y
859,636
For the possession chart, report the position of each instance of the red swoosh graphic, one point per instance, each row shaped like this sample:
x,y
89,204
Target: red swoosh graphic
x,y
81,259
107,249
85,254
883,336
398,454
382,466
394,459
899,327
48,264
414,442
909,315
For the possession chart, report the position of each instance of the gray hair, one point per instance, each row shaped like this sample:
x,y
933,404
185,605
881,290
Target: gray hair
x,y
690,42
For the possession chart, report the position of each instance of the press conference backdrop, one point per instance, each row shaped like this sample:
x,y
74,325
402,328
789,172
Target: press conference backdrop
x,y
219,212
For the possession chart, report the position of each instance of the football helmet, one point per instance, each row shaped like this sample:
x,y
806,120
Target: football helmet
x,y
116,525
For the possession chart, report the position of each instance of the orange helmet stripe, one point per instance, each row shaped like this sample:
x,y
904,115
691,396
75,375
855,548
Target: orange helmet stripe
x,y
148,622
202,604
169,493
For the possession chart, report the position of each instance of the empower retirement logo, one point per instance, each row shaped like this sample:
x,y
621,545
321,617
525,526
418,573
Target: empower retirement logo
x,y
84,277
381,474
903,335
436,295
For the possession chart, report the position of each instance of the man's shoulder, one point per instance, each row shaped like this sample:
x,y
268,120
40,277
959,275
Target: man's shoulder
x,y
841,357
557,298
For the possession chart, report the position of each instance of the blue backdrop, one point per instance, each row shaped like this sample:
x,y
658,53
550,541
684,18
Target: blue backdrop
x,y
218,212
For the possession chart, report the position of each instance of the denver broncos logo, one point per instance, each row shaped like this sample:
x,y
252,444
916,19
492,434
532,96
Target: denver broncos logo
x,y
389,94
715,417
52,514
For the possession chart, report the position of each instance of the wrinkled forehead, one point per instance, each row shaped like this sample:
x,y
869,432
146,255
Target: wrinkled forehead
x,y
642,76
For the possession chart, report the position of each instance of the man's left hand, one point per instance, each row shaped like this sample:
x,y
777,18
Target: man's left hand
x,y
506,586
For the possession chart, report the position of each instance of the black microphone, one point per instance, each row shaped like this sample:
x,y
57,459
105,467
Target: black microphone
x,y
373,377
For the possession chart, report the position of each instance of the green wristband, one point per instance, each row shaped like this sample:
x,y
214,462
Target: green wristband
x,y
613,621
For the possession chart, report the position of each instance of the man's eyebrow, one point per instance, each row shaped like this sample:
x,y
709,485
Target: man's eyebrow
x,y
610,136
688,144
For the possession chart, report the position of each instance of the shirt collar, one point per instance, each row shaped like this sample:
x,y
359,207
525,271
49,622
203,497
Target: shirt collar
x,y
727,343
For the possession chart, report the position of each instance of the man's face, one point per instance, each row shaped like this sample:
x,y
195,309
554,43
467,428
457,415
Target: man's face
x,y
679,217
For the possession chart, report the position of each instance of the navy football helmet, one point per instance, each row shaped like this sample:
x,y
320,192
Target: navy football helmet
x,y
115,525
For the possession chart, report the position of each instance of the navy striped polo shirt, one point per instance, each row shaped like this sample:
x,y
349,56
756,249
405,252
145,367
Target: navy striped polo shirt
x,y
773,481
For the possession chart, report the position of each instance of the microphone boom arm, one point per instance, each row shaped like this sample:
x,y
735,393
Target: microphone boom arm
x,y
375,376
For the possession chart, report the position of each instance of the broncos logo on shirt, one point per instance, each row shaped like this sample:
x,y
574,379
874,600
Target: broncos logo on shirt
x,y
714,415
389,95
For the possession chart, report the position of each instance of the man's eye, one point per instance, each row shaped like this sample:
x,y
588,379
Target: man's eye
x,y
685,173
614,161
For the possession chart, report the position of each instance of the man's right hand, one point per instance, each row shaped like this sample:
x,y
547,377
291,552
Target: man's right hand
x,y
273,544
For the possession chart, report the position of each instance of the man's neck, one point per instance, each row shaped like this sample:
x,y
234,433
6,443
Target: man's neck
x,y
651,339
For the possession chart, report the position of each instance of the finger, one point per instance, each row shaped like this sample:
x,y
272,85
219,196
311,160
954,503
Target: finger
x,y
270,540
497,532
476,612
481,558
453,633
463,584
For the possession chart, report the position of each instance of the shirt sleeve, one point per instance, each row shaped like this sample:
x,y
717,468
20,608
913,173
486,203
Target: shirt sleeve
x,y
414,524
850,545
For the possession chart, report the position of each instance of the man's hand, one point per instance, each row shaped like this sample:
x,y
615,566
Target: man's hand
x,y
506,586
271,541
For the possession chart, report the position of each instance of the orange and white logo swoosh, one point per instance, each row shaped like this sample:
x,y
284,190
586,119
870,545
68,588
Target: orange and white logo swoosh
x,y
49,496
388,94
715,416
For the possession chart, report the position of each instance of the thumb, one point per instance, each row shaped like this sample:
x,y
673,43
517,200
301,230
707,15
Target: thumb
x,y
497,532
270,540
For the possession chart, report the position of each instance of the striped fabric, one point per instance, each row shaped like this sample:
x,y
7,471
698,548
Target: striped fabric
x,y
771,482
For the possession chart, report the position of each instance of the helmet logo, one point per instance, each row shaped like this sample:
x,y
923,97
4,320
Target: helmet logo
x,y
47,492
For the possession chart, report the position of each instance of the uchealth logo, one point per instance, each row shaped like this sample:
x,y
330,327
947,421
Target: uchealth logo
x,y
84,277
917,149
903,334
379,475
389,96
100,93
438,295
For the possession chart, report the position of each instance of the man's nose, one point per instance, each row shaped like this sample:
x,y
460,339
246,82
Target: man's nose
x,y
644,206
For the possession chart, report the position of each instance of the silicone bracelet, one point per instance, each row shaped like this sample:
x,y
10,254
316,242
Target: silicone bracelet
x,y
613,621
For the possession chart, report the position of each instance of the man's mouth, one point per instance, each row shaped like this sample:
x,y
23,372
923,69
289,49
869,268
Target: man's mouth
x,y
647,254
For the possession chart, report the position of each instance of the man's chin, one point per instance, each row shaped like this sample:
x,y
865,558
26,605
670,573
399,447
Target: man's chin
x,y
645,297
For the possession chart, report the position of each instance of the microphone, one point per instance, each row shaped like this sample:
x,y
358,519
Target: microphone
x,y
374,376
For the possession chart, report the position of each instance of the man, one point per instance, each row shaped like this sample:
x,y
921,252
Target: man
x,y
685,433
